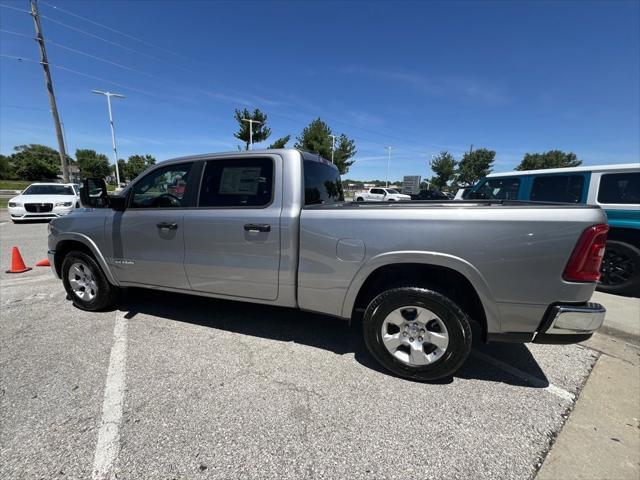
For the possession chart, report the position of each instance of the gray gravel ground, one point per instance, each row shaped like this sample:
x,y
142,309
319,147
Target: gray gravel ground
x,y
218,389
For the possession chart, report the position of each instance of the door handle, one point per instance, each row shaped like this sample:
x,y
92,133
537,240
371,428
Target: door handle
x,y
167,225
257,227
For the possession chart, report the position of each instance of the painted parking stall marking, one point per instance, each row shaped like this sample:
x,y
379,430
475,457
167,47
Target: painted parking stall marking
x,y
108,444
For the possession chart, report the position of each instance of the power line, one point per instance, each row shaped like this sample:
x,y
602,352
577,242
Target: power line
x,y
67,69
23,107
111,29
75,29
17,34
14,8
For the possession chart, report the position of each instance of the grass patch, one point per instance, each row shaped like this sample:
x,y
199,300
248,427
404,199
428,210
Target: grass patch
x,y
14,184
3,202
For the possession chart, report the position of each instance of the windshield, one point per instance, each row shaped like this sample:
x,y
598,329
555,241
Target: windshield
x,y
391,190
48,190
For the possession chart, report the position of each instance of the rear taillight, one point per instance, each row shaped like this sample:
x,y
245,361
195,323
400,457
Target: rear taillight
x,y
584,264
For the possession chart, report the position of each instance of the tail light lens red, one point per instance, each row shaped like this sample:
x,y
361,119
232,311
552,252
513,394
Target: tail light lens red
x,y
584,264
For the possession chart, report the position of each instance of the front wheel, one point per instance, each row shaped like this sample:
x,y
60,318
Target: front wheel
x,y
417,333
359,199
85,282
620,270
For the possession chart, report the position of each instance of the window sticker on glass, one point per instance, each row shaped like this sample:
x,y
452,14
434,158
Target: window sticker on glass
x,y
240,180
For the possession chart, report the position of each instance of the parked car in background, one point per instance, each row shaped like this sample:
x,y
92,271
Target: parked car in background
x,y
615,188
272,227
379,194
44,201
463,192
430,195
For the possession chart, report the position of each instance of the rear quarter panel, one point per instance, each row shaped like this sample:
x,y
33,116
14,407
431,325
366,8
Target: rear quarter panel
x,y
513,256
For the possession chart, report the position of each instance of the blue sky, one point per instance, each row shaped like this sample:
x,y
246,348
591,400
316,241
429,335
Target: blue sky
x,y
422,77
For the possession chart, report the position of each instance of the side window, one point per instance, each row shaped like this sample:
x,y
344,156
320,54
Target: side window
x,y
557,188
377,191
322,184
163,188
500,188
246,182
619,188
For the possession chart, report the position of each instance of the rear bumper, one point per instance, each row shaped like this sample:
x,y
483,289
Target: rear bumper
x,y
570,323
561,325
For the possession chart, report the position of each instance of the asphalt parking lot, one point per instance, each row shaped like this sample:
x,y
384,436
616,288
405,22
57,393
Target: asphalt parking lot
x,y
174,386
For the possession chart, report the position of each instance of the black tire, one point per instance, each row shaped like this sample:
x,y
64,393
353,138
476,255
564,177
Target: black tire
x,y
620,271
359,199
106,295
455,320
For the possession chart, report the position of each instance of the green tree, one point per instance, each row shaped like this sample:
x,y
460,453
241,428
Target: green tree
x,y
281,142
136,164
550,159
444,166
475,165
316,137
122,166
260,130
92,164
7,170
35,162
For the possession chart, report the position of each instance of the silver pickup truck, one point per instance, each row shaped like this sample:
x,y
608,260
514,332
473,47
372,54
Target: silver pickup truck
x,y
272,227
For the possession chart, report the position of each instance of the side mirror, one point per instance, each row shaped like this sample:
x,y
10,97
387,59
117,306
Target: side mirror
x,y
18,192
94,193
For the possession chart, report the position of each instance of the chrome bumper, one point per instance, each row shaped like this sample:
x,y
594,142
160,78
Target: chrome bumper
x,y
571,323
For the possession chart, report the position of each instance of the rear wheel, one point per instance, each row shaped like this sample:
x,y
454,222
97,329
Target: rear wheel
x,y
417,333
85,283
620,270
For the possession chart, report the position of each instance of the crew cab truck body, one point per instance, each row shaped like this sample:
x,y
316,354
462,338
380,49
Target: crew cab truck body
x,y
271,227
379,194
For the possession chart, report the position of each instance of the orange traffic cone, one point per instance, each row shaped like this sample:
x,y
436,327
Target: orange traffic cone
x,y
43,263
17,264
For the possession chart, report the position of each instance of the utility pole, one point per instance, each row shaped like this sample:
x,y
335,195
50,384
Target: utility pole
x,y
49,85
113,132
251,122
389,148
333,146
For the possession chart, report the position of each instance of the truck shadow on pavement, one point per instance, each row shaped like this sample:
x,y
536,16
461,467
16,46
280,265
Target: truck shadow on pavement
x,y
319,331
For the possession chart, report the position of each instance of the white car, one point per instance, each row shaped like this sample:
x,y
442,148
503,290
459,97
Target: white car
x,y
381,195
43,201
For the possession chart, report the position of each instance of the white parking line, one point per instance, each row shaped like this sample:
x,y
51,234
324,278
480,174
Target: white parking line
x,y
533,381
25,281
108,445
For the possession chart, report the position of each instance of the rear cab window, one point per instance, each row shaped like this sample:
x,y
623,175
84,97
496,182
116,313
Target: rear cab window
x,y
620,188
558,188
322,184
499,188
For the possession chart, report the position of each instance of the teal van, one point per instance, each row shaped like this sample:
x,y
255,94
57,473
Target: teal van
x,y
615,188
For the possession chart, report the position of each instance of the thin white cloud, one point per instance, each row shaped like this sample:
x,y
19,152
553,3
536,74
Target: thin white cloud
x,y
436,85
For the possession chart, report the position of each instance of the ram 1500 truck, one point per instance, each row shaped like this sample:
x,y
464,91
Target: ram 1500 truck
x,y
271,227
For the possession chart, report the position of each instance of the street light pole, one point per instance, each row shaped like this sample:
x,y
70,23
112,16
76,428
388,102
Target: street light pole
x,y
251,122
333,146
113,132
389,148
